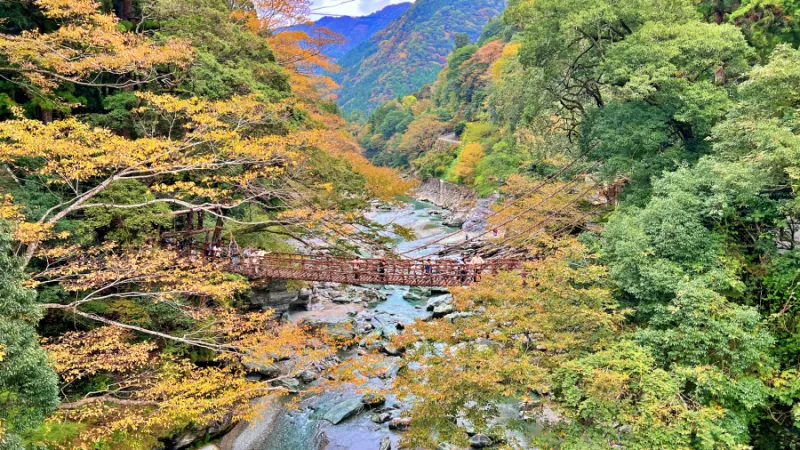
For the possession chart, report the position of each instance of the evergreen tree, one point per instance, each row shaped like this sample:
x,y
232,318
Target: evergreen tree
x,y
28,384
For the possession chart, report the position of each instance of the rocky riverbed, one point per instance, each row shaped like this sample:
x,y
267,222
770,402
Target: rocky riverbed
x,y
369,315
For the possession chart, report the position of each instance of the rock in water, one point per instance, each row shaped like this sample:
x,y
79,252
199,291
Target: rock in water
x,y
401,423
344,410
386,444
480,441
381,417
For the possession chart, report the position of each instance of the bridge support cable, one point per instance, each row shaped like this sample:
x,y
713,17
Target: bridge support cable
x,y
516,217
544,221
556,234
507,206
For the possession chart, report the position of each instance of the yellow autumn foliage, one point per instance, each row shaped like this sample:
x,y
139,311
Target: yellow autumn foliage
x,y
467,161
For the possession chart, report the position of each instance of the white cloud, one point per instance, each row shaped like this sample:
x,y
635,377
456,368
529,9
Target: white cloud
x,y
351,7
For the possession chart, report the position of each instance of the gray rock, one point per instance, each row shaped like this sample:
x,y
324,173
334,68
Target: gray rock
x,y
411,297
447,446
342,299
393,350
343,411
466,424
381,417
443,310
188,438
458,315
438,301
307,376
391,367
253,377
209,447
386,444
455,220
401,423
373,400
420,291
480,441
439,291
276,297
292,385
265,370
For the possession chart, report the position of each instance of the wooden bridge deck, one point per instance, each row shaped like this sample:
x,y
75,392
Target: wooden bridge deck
x,y
368,271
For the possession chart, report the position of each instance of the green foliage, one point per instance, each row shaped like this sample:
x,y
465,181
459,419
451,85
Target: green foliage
x,y
461,40
409,52
230,60
28,385
434,164
697,122
127,226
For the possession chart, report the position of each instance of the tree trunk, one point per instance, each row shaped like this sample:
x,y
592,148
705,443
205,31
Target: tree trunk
x,y
127,10
47,115
218,229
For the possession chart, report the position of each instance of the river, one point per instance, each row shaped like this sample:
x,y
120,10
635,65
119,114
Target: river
x,y
302,426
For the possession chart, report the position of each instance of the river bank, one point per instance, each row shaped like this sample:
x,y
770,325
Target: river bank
x,y
342,419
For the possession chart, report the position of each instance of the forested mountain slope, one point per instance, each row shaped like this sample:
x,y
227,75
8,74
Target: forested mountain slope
x,y
409,52
649,156
134,137
356,30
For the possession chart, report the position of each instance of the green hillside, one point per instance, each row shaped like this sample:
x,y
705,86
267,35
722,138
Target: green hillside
x,y
409,52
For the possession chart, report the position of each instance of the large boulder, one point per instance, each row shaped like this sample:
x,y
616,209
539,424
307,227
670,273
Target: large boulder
x,y
480,441
343,410
373,400
381,417
443,310
386,444
401,423
420,291
275,296
267,371
438,301
292,385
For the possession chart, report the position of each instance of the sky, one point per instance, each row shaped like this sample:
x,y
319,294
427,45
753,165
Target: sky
x,y
350,7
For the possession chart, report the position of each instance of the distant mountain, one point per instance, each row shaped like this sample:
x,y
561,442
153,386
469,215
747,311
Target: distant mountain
x,y
357,29
410,52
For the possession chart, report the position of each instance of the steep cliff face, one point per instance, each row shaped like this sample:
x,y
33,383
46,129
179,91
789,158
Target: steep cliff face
x,y
444,194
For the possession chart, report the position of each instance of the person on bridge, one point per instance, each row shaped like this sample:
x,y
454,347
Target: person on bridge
x,y
477,266
357,263
382,270
428,267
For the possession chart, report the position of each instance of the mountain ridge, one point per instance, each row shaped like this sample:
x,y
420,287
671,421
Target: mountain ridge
x,y
410,52
355,29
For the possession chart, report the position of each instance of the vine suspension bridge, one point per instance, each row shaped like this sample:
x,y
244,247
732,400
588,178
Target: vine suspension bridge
x,y
401,271
398,272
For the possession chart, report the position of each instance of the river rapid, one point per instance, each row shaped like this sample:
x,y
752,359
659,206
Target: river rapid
x,y
303,426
